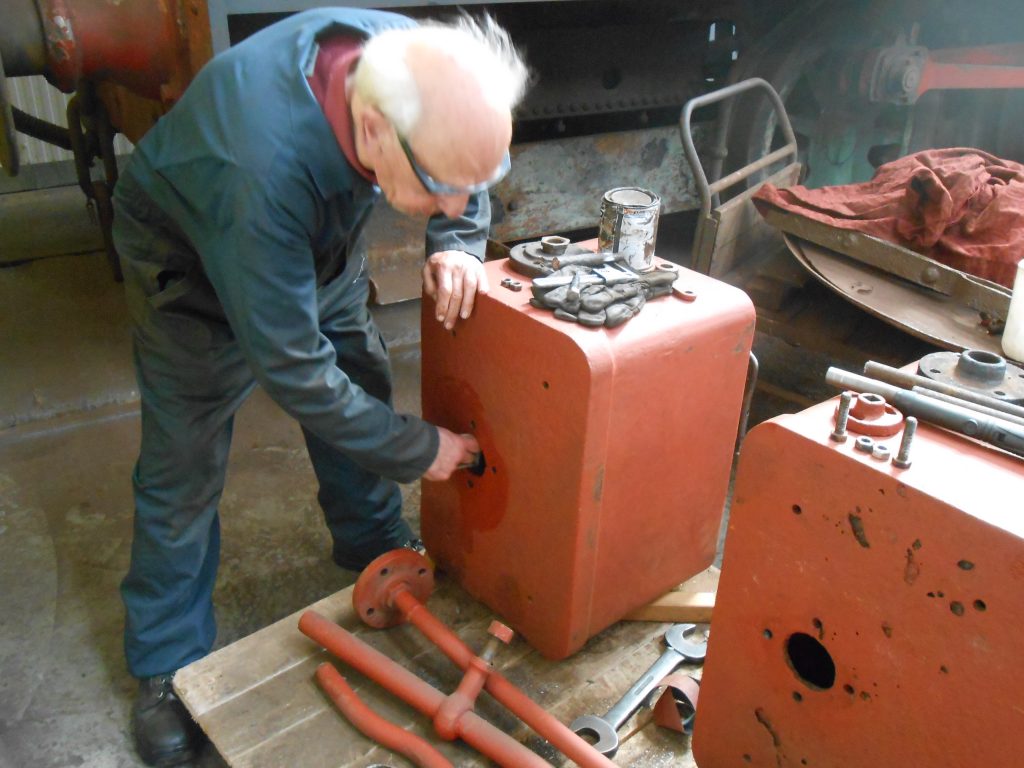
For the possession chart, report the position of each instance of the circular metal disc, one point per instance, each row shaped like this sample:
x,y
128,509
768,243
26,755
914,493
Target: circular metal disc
x,y
8,140
529,258
400,567
945,367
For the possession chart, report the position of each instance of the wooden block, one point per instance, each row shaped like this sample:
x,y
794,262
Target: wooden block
x,y
692,601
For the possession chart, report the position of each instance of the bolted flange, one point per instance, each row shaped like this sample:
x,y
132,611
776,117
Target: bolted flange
x,y
395,569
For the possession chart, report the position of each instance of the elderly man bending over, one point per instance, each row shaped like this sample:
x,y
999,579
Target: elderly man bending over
x,y
239,223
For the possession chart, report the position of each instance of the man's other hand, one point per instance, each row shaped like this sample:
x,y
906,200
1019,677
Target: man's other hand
x,y
452,451
453,279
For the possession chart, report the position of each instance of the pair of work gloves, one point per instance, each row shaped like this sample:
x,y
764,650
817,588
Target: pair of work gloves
x,y
599,297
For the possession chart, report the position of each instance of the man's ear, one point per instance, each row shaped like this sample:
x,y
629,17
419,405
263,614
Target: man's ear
x,y
373,128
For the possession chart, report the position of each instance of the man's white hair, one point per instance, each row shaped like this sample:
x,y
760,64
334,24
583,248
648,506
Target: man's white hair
x,y
479,47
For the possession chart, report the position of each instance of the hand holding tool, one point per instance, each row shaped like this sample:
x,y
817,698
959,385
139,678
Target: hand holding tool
x,y
680,650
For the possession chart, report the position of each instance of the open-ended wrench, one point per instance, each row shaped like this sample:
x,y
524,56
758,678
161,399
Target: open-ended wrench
x,y
604,729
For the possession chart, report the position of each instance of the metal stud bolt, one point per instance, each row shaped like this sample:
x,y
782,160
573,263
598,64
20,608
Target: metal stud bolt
x,y
902,459
839,433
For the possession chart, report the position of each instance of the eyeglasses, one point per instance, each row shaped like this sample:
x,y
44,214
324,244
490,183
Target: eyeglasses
x,y
435,187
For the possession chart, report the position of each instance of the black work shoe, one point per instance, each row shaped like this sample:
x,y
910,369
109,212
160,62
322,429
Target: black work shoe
x,y
164,732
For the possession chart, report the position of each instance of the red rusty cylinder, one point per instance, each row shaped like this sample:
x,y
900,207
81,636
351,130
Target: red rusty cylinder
x,y
373,725
133,42
867,615
471,728
607,453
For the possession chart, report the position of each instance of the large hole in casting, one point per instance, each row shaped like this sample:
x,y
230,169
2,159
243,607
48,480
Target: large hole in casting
x,y
810,660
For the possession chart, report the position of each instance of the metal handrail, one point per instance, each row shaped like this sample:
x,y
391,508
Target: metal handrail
x,y
706,190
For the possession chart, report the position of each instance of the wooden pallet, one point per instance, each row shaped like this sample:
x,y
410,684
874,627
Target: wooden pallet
x,y
257,700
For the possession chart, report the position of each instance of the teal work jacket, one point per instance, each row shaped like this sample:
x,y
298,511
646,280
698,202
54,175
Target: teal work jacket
x,y
249,171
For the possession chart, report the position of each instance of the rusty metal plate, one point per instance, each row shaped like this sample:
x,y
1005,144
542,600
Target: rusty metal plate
x,y
934,317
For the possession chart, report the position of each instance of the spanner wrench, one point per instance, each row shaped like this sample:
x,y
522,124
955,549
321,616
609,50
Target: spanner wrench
x,y
605,729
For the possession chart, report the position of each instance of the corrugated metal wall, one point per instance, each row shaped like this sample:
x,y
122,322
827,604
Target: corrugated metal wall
x,y
37,97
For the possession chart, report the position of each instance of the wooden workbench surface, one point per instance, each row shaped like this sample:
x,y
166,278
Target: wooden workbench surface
x,y
258,702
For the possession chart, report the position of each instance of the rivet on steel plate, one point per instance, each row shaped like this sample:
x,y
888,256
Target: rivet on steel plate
x,y
902,459
865,443
880,452
842,414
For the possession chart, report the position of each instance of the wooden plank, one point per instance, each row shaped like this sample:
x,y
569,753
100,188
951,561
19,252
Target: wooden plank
x,y
257,701
692,601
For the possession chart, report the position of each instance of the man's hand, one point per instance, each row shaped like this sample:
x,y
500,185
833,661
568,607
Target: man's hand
x,y
453,279
452,451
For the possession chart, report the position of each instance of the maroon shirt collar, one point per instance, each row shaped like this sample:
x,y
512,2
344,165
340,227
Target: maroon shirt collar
x,y
337,56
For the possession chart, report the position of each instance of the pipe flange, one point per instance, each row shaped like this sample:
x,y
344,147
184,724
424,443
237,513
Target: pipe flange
x,y
977,371
371,596
871,415
535,259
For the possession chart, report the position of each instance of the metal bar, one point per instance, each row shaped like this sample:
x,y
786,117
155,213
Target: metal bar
x,y
43,130
910,380
994,431
375,727
999,414
939,75
522,706
475,731
747,170
978,294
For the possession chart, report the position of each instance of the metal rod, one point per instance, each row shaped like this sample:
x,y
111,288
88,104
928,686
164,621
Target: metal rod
x,y
43,130
727,181
522,706
373,726
968,404
910,380
473,729
994,431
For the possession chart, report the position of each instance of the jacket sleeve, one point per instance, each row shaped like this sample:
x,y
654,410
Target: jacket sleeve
x,y
257,256
466,233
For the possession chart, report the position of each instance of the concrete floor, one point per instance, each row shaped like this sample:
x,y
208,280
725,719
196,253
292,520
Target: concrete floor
x,y
69,432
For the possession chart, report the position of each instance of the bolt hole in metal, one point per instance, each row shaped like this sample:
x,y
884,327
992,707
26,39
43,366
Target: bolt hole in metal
x,y
797,509
810,661
611,78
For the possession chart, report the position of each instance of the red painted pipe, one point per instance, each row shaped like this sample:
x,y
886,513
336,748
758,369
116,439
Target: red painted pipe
x,y
373,725
471,728
522,706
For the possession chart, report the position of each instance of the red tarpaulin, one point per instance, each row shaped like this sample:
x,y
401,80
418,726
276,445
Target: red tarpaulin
x,y
962,207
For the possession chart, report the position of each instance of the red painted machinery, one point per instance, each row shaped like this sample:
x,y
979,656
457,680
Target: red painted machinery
x,y
867,615
606,452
